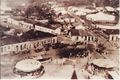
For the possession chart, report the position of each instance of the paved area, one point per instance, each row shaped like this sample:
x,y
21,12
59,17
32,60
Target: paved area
x,y
51,70
58,70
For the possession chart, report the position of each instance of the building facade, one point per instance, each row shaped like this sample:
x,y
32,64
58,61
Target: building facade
x,y
24,46
114,37
81,36
28,26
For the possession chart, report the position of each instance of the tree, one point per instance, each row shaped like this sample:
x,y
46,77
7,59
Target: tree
x,y
93,2
39,10
114,3
90,47
101,48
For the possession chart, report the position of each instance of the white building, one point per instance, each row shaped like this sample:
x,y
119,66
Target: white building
x,y
114,37
118,9
80,27
106,8
28,26
73,9
49,29
101,17
81,36
108,26
88,11
113,34
66,20
24,46
100,9
19,24
109,9
80,13
59,9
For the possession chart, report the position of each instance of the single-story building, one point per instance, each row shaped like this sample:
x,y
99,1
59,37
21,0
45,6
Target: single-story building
x,y
28,45
81,36
101,17
113,34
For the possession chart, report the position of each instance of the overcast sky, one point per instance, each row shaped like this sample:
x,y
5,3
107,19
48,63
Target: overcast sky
x,y
13,3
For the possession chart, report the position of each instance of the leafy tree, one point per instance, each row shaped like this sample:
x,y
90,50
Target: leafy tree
x,y
90,47
101,48
113,3
93,2
39,10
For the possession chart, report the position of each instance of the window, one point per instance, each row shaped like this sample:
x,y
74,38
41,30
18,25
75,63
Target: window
x,y
8,47
77,37
42,42
38,44
4,48
17,47
49,41
92,38
117,39
1,49
24,45
30,27
82,37
85,37
53,40
20,47
30,46
89,38
34,45
45,42
112,38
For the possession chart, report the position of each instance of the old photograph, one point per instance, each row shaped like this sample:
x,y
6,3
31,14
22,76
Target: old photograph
x,y
59,39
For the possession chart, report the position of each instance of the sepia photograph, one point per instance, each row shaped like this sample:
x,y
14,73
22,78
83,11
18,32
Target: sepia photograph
x,y
59,39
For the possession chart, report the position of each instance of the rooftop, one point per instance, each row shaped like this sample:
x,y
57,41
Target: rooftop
x,y
33,35
53,25
112,31
8,40
28,36
29,63
100,16
75,32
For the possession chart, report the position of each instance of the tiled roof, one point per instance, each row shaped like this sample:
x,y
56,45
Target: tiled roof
x,y
112,31
53,26
75,32
50,26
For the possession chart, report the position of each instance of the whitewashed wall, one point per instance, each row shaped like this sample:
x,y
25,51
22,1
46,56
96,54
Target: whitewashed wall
x,y
26,45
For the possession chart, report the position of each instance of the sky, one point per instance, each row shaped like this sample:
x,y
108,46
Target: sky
x,y
13,3
18,2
